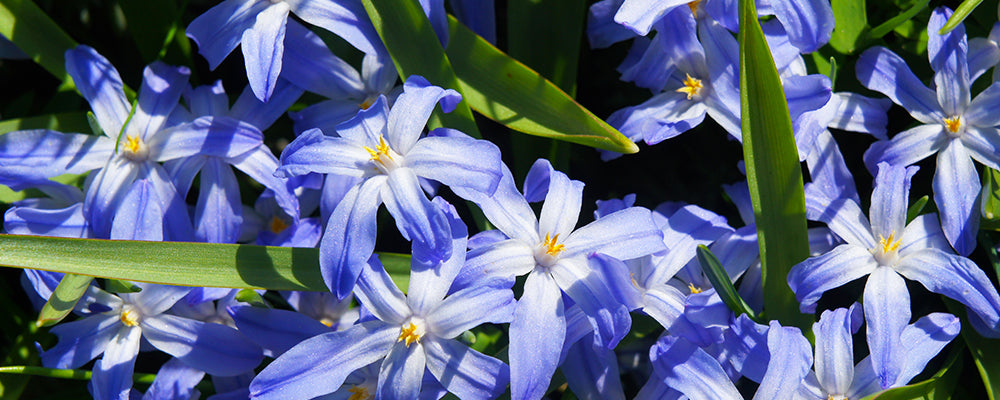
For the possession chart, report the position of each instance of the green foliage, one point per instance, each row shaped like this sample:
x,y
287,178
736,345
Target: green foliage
x,y
716,274
773,171
959,15
63,299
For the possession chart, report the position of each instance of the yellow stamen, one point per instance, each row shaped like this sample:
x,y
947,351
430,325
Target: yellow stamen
x,y
551,247
694,7
278,225
692,86
132,143
378,152
129,318
358,393
888,244
367,103
326,321
409,334
953,123
634,282
694,289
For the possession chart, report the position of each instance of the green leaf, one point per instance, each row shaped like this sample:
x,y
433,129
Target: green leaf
x,y
991,194
36,34
983,350
149,24
716,274
959,15
938,387
504,90
916,208
120,286
851,23
888,26
185,264
63,299
77,374
415,49
65,122
773,172
251,297
547,38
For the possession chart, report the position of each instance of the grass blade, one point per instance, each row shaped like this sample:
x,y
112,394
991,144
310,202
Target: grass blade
x,y
773,172
716,274
960,14
71,288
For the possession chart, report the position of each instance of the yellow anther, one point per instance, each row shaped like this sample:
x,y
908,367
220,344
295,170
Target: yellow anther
x,y
692,86
694,7
278,225
889,244
326,321
409,334
378,152
133,143
694,289
953,124
551,247
130,317
634,282
367,103
359,393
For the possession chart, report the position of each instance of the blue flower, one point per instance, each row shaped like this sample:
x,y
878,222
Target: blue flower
x,y
259,26
409,334
956,129
133,170
384,150
554,256
888,249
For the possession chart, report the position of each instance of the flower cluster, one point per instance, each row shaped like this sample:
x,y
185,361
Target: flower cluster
x,y
533,294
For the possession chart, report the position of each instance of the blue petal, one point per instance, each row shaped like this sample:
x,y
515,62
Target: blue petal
x,y
828,169
309,64
347,245
982,111
112,378
835,349
890,200
592,372
259,164
506,208
493,302
434,10
213,348
842,215
881,70
690,370
263,45
155,299
162,86
218,31
416,217
453,161
402,372
411,110
983,55
859,113
609,316
140,216
320,365
81,341
536,336
315,152
42,153
218,215
379,294
431,277
562,205
983,144
61,222
955,277
813,277
325,115
346,19
99,83
174,380
790,359
478,15
248,108
107,189
948,55
956,192
626,234
639,15
907,147
602,30
210,136
176,219
922,233
809,24
887,311
923,340
276,330
465,372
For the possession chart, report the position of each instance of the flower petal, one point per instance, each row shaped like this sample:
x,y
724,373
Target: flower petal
x,y
506,208
536,336
688,369
465,372
609,316
842,215
140,216
218,215
948,55
955,277
210,136
41,153
814,276
309,64
411,110
112,378
321,364
887,311
809,24
956,192
349,239
983,144
835,349
99,83
562,204
162,86
592,372
881,70
402,372
492,302
346,19
890,200
907,147
457,161
625,234
213,348
259,164
640,15
923,340
315,152
416,217
790,359
379,294
81,341
218,31
248,108
274,329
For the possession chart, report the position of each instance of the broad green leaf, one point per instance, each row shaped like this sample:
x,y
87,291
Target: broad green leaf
x,y
851,23
983,350
938,387
120,286
959,15
504,90
151,24
991,194
185,264
887,26
36,34
415,49
63,299
251,297
716,274
65,122
773,172
916,208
